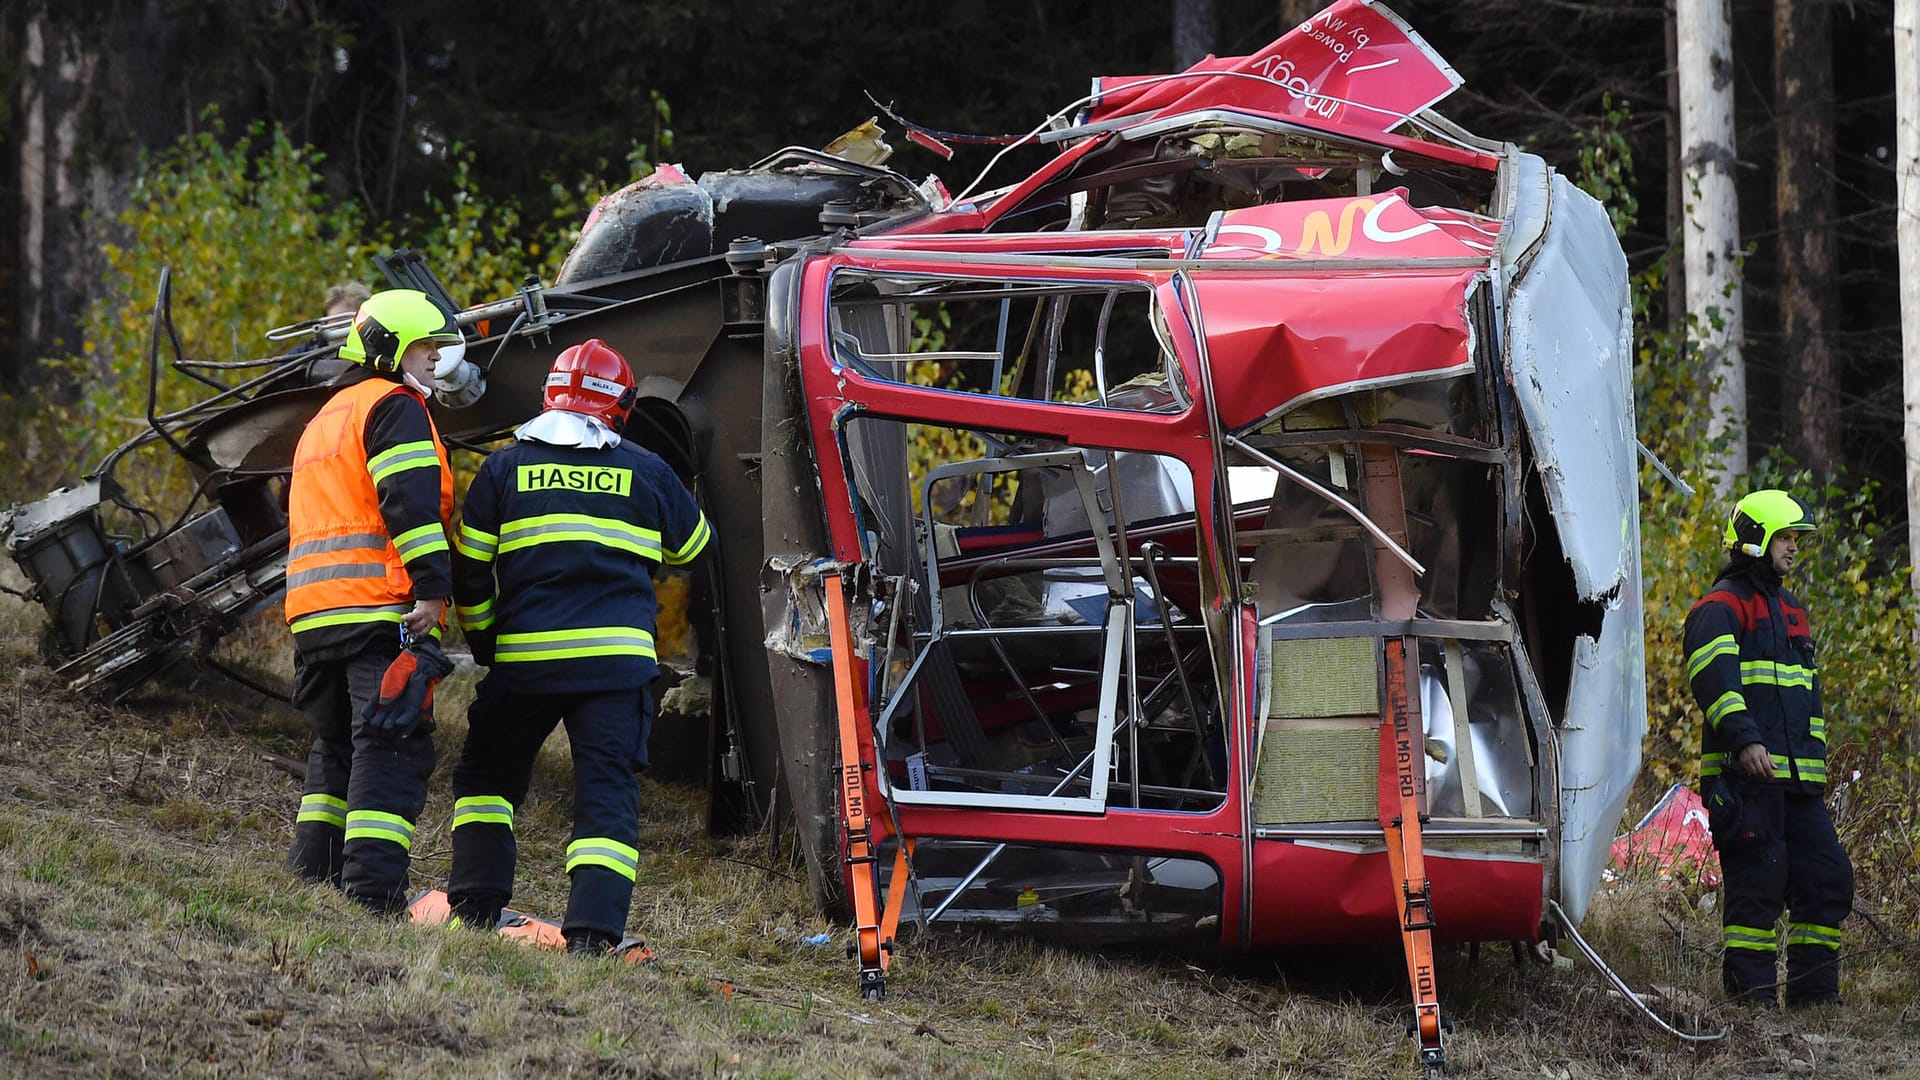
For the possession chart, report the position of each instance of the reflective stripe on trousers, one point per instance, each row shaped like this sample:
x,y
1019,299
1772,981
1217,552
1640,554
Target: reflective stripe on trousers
x,y
379,825
1752,937
600,851
482,810
323,808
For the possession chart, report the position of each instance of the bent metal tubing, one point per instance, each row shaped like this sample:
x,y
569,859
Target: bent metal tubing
x,y
1613,979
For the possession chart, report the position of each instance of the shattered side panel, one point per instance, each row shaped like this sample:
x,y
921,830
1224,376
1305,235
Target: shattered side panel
x,y
1569,357
793,533
1600,746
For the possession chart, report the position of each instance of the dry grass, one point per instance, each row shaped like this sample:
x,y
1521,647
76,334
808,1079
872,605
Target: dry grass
x,y
147,927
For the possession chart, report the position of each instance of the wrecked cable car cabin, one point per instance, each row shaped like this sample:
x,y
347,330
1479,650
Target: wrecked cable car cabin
x,y
1229,529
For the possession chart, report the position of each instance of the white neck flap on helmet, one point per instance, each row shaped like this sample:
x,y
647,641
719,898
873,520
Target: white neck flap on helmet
x,y
559,427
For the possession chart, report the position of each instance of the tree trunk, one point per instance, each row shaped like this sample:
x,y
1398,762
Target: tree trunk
x,y
1703,33
56,81
1803,212
30,120
12,37
1676,187
1906,97
1193,32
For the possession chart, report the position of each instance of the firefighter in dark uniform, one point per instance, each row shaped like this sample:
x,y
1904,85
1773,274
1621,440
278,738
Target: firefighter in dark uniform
x,y
1763,762
570,523
369,506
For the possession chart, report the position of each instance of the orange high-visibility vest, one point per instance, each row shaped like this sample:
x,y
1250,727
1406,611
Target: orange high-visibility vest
x,y
342,566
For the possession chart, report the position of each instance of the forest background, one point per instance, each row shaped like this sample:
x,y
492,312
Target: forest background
x,y
265,149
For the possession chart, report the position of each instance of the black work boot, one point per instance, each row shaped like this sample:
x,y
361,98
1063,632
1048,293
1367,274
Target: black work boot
x,y
1813,975
316,853
590,942
1749,978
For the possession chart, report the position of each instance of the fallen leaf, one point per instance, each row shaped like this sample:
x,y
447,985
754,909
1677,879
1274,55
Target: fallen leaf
x,y
33,966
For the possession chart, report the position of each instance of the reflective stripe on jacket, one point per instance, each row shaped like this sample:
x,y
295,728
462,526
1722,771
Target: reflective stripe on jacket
x,y
358,515
1751,667
554,563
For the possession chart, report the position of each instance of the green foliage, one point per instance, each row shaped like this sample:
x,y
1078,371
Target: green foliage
x,y
254,243
1856,590
929,446
1606,164
1852,577
1855,585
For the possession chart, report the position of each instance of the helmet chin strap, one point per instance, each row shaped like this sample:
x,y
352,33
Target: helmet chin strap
x,y
407,377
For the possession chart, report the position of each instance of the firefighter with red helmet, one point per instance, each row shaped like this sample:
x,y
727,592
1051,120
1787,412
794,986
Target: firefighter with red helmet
x,y
1763,762
369,504
558,543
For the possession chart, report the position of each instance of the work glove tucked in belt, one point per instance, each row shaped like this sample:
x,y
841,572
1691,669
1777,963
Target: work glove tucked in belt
x,y
405,704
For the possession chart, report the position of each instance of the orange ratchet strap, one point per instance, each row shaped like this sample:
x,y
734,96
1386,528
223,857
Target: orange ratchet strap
x,y
1401,766
873,929
1403,757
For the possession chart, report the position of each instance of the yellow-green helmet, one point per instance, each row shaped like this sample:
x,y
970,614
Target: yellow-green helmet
x,y
388,322
1758,516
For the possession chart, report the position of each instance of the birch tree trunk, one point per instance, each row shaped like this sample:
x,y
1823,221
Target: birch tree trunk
x,y
1906,97
1803,213
1703,34
1193,32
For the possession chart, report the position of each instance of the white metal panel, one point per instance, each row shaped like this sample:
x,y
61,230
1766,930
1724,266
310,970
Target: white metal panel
x,y
1569,330
1570,355
1600,746
1523,206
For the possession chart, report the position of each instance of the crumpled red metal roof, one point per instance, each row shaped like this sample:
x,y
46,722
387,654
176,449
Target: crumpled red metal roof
x,y
1353,65
1279,341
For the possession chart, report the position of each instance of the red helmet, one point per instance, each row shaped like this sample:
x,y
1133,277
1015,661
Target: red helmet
x,y
591,378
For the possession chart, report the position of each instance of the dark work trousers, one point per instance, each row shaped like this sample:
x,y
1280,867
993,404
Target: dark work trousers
x,y
364,792
1780,852
607,731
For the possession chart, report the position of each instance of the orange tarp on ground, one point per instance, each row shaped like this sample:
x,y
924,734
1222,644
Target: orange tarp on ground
x,y
430,909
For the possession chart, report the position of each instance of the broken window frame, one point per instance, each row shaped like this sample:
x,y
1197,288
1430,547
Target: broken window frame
x,y
1122,710
895,289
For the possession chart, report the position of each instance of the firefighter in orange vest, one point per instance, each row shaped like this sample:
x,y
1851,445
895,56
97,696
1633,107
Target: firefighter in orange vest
x,y
369,507
559,540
